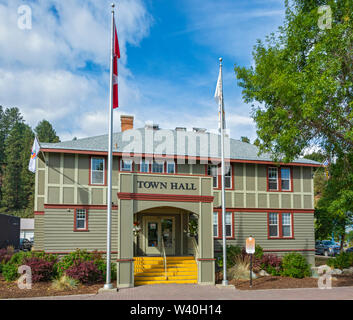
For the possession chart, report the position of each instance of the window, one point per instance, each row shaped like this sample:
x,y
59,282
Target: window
x,y
170,167
285,179
286,225
272,178
273,225
228,177
158,167
81,219
280,225
126,165
215,224
144,166
97,170
213,171
229,224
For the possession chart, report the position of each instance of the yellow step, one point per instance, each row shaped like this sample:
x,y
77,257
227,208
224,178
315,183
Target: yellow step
x,y
179,269
141,283
162,278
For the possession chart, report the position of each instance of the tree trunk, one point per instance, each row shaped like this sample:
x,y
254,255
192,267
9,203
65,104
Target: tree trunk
x,y
342,241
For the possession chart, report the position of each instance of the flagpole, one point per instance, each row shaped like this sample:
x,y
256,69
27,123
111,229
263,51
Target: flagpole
x,y
109,285
221,101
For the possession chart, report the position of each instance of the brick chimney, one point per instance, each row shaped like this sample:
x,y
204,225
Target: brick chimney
x,y
127,123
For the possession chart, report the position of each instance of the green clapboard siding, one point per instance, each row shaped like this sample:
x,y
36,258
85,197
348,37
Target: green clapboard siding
x,y
59,235
39,232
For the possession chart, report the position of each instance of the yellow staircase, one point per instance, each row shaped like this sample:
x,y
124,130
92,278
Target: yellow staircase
x,y
150,270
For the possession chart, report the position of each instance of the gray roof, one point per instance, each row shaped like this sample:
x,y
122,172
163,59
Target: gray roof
x,y
169,142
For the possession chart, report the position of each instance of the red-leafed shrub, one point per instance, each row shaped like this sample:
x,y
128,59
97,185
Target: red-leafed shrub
x,y
271,264
5,255
85,272
42,270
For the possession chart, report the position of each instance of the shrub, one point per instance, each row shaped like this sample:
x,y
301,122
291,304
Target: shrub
x,y
272,264
85,272
294,265
64,283
10,272
6,254
42,270
241,269
342,261
259,252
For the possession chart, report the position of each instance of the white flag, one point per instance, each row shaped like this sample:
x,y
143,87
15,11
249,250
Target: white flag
x,y
35,151
219,98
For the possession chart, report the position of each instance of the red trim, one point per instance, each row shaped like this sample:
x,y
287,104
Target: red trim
x,y
279,179
39,213
265,210
164,197
125,260
75,224
58,252
90,171
202,259
141,155
279,226
69,206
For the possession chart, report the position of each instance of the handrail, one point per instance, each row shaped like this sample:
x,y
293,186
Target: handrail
x,y
196,247
164,259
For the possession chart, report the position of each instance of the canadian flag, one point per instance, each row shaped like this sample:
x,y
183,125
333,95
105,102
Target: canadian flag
x,y
116,56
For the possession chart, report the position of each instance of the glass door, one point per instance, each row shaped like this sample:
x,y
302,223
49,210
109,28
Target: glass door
x,y
153,237
167,227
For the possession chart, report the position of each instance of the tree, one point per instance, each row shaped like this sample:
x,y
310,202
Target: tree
x,y
320,178
257,142
245,139
302,82
46,132
334,212
18,182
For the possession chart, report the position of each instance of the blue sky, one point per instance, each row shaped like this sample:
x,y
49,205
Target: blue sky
x,y
59,70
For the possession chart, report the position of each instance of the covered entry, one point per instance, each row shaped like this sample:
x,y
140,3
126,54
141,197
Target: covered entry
x,y
162,214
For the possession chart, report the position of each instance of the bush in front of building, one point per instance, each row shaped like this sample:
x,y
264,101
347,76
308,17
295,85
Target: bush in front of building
x,y
272,264
9,272
241,269
86,272
42,270
294,265
5,256
342,261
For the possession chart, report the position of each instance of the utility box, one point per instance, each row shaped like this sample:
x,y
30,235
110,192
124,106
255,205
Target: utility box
x,y
9,231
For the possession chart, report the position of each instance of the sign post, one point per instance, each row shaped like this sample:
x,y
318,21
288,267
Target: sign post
x,y
250,249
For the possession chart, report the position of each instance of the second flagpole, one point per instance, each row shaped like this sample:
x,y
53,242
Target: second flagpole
x,y
109,285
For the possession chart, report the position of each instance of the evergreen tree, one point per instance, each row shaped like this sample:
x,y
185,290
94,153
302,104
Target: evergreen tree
x,y
245,139
46,133
17,182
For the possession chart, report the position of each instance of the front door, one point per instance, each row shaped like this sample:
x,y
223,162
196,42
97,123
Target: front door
x,y
159,231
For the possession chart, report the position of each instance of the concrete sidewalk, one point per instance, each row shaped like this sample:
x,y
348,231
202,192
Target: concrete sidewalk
x,y
196,292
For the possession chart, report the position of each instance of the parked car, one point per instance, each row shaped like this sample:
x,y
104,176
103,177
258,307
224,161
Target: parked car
x,y
326,248
25,244
349,250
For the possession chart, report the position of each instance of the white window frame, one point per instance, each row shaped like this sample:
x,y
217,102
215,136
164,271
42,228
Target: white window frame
x,y
229,177
231,224
277,224
215,216
277,179
159,163
81,211
146,162
169,163
122,161
290,179
290,224
209,172
92,170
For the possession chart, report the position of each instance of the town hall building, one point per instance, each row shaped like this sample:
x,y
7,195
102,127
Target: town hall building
x,y
166,218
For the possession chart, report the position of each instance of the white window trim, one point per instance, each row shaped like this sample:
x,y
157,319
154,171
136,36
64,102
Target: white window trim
x,y
290,224
213,224
231,225
126,161
230,177
269,224
290,179
148,164
268,173
97,184
173,163
158,162
85,219
217,169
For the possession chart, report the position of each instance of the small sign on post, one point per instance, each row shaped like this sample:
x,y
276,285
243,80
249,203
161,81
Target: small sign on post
x,y
250,249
